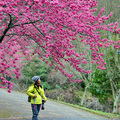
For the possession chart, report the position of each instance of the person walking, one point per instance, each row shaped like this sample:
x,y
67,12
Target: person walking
x,y
36,92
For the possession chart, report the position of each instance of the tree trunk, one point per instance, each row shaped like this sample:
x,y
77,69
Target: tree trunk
x,y
119,108
84,96
116,101
113,90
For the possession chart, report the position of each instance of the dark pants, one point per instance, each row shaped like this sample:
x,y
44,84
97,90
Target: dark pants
x,y
35,110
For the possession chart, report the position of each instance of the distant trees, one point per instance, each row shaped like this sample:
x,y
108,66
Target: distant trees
x,y
36,67
106,84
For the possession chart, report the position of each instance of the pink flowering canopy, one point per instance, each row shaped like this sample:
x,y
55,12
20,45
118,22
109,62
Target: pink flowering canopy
x,y
47,28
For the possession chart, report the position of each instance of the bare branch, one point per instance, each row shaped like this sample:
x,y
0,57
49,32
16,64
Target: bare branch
x,y
24,23
37,28
6,30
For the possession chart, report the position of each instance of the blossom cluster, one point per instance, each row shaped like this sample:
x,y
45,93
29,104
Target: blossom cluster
x,y
48,28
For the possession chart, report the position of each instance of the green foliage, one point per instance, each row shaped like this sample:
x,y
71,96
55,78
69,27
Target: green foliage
x,y
43,77
78,96
101,86
36,67
57,86
46,85
60,98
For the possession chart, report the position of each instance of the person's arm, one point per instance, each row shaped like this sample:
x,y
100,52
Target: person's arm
x,y
30,91
43,95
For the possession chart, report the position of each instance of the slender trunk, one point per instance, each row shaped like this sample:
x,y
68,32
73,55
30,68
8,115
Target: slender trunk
x,y
119,108
84,96
112,87
116,102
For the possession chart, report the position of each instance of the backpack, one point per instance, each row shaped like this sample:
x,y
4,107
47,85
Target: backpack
x,y
29,99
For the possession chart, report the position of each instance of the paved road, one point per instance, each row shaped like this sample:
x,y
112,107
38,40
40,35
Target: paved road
x,y
14,106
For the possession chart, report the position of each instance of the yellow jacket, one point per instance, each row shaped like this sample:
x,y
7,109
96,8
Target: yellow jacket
x,y
32,91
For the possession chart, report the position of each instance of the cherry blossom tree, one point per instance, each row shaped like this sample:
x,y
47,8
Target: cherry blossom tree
x,y
47,28
10,62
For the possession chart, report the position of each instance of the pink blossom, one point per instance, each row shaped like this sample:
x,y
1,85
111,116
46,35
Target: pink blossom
x,y
9,91
116,25
50,64
84,62
89,71
101,54
53,29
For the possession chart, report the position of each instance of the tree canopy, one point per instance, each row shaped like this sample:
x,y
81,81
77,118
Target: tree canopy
x,y
47,28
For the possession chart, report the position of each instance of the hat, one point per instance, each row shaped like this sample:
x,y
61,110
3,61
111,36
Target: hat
x,y
35,78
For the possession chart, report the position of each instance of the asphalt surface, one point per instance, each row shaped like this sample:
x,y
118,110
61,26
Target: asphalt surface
x,y
14,106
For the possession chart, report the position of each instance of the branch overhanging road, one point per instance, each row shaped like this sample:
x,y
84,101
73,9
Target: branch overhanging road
x,y
14,106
